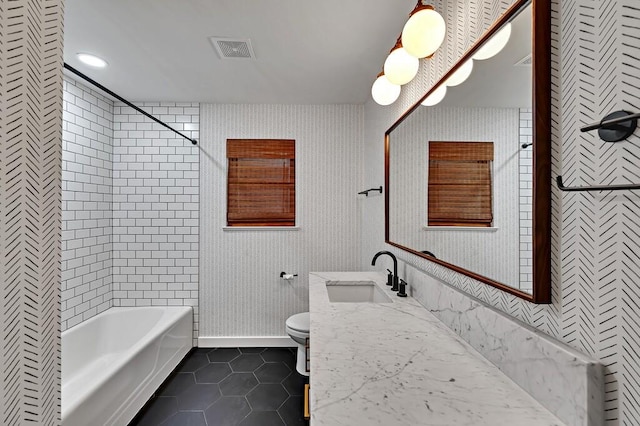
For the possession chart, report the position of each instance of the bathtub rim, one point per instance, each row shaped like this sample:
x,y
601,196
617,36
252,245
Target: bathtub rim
x,y
161,327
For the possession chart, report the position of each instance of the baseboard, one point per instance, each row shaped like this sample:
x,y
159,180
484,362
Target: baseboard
x,y
246,342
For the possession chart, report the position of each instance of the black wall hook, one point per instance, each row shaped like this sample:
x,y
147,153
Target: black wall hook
x,y
428,253
615,127
366,192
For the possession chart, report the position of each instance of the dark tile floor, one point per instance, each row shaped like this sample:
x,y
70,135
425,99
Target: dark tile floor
x,y
229,386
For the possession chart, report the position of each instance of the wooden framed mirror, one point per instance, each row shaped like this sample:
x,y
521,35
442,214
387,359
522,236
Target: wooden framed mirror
x,y
505,104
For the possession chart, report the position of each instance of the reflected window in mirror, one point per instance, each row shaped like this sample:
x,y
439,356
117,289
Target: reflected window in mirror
x,y
460,184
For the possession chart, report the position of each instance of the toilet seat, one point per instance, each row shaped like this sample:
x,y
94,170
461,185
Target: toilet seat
x,y
299,322
298,336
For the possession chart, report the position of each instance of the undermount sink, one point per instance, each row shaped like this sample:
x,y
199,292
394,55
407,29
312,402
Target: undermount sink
x,y
355,292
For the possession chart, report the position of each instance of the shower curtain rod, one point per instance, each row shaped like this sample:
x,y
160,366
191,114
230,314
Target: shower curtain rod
x,y
121,99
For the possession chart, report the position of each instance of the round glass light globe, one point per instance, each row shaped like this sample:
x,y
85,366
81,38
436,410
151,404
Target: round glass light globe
x,y
460,75
384,92
91,60
495,44
436,97
400,67
423,33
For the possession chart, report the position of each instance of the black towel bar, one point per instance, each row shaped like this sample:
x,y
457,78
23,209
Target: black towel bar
x,y
594,188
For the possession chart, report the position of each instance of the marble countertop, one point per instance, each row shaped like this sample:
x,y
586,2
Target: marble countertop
x,y
397,364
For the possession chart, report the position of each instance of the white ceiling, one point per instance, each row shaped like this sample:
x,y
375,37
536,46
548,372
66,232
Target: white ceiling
x,y
326,52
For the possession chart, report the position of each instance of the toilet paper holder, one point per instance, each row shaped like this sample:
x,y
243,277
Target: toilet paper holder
x,y
286,276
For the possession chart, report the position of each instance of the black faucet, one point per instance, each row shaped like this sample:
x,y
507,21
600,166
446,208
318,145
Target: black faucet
x,y
395,267
428,253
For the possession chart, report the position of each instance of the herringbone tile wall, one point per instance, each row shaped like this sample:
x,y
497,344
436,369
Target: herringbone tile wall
x,y
595,236
600,63
30,220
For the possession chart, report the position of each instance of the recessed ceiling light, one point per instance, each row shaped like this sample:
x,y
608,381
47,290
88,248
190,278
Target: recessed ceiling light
x,y
91,60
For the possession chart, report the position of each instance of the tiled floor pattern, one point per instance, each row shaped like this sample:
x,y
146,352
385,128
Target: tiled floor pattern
x,y
229,386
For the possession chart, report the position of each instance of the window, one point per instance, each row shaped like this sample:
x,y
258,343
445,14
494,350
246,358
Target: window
x,y
261,188
459,187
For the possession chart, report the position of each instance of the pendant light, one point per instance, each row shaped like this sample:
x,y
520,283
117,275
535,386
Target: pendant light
x,y
422,35
400,67
461,74
383,91
424,32
436,96
495,44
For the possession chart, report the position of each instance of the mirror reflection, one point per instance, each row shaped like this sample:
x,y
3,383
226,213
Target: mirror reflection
x,y
460,170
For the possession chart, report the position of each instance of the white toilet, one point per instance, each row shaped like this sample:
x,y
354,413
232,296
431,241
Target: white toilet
x,y
298,329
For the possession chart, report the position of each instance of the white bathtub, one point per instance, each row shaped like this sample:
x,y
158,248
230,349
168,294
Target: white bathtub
x,y
113,362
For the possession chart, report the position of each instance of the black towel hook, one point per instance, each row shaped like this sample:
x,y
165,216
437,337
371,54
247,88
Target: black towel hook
x,y
366,192
615,127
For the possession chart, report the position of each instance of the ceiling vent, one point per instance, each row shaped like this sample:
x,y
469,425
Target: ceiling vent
x,y
524,62
232,48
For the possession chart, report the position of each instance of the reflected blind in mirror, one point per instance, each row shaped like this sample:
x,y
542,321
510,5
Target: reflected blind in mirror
x,y
459,190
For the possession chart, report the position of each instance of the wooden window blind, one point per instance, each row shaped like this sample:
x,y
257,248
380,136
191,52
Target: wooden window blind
x,y
459,184
261,182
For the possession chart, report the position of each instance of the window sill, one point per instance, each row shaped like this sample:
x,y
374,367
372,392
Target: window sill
x,y
259,228
460,228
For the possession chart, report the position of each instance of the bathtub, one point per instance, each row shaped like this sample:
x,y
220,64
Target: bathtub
x,y
113,363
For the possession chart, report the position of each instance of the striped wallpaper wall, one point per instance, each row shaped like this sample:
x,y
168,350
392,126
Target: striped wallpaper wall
x,y
241,293
595,252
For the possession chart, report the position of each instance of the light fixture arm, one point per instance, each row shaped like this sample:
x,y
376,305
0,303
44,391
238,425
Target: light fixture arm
x,y
398,44
420,6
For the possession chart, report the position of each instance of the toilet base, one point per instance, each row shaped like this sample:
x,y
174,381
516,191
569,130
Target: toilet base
x,y
301,361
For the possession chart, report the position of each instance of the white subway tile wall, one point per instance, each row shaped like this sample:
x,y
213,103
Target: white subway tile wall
x,y
526,200
155,206
87,155
130,194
